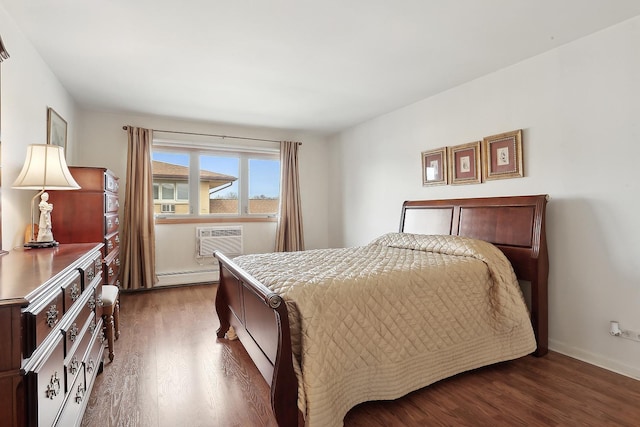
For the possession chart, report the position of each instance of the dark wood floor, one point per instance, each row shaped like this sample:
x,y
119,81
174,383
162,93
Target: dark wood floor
x,y
170,370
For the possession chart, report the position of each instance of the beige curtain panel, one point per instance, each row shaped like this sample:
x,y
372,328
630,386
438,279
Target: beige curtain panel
x,y
289,234
138,235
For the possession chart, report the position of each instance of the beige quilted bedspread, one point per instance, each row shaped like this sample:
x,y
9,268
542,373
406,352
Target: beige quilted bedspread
x,y
378,321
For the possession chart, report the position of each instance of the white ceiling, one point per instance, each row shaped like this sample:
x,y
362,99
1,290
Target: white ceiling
x,y
320,65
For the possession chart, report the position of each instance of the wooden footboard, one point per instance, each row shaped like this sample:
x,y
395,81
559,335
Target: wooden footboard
x,y
261,322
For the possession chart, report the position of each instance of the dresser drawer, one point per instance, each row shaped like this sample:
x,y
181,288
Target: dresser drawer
x,y
97,262
47,379
111,223
93,356
91,269
42,318
111,203
75,402
97,301
110,183
112,267
72,332
112,242
73,361
72,290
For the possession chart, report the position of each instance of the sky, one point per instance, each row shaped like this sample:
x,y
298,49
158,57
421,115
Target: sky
x,y
264,175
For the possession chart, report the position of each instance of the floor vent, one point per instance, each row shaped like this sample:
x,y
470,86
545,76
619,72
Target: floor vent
x,y
227,240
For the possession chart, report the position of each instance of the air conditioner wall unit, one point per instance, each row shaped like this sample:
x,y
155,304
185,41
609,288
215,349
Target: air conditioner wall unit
x,y
227,240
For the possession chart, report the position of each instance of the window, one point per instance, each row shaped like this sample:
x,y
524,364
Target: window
x,y
168,191
182,191
167,208
220,176
228,181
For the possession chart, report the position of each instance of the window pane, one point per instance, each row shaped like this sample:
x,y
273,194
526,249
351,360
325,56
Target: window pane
x,y
219,185
182,191
264,186
168,192
170,170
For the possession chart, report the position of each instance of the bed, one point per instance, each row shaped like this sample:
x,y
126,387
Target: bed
x,y
322,349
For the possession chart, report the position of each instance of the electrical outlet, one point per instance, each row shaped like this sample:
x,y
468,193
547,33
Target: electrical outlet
x,y
630,335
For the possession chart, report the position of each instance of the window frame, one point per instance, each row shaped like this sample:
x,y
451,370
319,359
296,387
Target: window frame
x,y
244,152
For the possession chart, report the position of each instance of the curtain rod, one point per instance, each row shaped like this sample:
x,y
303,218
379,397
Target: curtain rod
x,y
211,134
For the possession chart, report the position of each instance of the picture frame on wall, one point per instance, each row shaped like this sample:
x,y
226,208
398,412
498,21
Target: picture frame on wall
x,y
502,156
56,129
434,167
464,164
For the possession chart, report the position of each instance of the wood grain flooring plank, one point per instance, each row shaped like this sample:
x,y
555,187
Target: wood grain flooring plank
x,y
171,370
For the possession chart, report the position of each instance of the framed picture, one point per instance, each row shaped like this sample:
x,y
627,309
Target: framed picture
x,y
56,129
502,156
464,164
434,167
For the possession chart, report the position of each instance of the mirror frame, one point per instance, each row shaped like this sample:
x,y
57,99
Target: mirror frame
x,y
3,55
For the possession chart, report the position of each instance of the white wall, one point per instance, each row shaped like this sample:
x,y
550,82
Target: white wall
x,y
102,142
578,107
28,88
97,139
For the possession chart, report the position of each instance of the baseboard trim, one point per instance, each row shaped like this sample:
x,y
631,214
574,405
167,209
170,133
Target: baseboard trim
x,y
595,359
186,278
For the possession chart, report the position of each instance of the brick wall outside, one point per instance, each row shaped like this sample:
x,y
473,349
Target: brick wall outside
x,y
256,206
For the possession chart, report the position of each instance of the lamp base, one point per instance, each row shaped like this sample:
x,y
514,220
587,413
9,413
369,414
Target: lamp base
x,y
37,245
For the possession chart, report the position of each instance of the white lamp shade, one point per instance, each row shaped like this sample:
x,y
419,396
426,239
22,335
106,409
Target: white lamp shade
x,y
45,169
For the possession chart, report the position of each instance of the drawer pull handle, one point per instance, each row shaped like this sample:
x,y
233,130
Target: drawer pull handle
x,y
75,292
99,301
109,245
53,388
90,366
91,303
80,393
74,365
73,332
52,315
117,239
90,275
92,327
117,221
110,271
118,262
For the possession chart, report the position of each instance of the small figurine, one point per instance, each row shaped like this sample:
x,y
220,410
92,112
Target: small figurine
x,y
44,227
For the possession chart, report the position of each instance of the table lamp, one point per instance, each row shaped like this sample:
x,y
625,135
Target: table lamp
x,y
44,169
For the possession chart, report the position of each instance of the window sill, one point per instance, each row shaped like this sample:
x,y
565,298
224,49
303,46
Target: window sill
x,y
213,220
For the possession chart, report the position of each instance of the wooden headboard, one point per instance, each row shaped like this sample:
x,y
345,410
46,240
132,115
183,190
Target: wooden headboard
x,y
515,224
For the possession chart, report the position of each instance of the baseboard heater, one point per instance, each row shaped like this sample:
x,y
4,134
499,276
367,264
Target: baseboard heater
x,y
187,277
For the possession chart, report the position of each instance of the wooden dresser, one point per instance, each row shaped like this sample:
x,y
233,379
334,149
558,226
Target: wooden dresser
x,y
90,215
51,339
